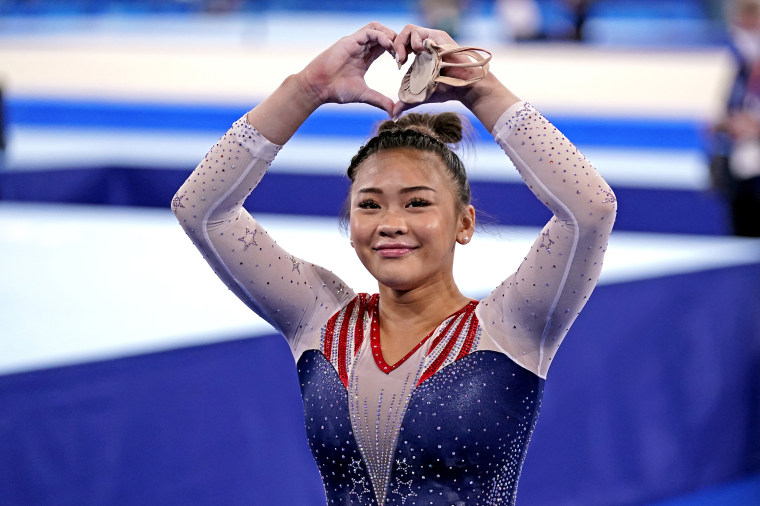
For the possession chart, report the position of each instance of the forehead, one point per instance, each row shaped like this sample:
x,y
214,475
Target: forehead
x,y
401,166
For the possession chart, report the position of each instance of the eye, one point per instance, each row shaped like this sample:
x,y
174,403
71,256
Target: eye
x,y
368,204
418,202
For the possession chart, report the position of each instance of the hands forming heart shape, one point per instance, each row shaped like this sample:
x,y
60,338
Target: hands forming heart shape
x,y
337,74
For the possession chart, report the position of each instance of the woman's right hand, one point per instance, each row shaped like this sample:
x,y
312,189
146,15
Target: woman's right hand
x,y
337,74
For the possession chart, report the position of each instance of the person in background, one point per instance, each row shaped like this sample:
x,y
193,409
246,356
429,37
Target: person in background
x,y
523,20
520,19
735,160
445,15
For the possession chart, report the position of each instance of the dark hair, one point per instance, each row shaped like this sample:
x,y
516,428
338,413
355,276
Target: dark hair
x,y
434,133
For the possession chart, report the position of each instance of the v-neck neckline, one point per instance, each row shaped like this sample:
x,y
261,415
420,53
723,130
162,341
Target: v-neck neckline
x,y
374,332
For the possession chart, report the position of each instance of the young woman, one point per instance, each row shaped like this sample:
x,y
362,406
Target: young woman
x,y
416,394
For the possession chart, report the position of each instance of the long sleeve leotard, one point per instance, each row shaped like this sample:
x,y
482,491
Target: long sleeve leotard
x,y
450,422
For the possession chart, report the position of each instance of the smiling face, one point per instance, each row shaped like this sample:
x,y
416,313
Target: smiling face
x,y
404,219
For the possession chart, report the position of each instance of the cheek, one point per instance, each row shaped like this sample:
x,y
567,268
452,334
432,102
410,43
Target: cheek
x,y
358,227
438,228
432,228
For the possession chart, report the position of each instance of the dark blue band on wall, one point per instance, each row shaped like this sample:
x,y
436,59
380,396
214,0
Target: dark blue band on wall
x,y
584,131
641,209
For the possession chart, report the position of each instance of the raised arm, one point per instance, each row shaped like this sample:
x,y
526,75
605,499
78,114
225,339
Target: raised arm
x,y
529,314
538,303
286,291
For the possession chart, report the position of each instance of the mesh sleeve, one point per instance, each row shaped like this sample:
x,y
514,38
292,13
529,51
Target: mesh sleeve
x,y
289,293
530,313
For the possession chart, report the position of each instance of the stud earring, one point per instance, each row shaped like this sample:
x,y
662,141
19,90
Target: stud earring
x,y
465,240
351,242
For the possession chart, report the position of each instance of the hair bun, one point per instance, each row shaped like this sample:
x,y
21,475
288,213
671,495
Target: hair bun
x,y
446,127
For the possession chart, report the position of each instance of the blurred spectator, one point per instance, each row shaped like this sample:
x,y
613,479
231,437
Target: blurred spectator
x,y
522,19
735,163
578,13
222,6
2,130
443,15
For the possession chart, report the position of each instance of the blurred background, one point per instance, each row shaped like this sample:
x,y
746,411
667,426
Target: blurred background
x,y
130,375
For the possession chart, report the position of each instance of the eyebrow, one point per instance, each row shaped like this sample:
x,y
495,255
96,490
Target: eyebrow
x,y
409,189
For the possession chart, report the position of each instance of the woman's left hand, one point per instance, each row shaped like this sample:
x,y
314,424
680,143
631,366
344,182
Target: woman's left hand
x,y
411,41
486,98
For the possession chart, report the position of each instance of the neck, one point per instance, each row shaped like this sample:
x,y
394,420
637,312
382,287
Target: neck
x,y
430,302
406,317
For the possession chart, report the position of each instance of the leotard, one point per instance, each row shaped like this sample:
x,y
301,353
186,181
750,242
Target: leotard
x,y
449,423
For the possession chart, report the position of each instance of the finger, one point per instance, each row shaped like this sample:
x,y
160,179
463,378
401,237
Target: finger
x,y
378,100
412,38
417,41
381,28
401,107
372,32
401,43
371,36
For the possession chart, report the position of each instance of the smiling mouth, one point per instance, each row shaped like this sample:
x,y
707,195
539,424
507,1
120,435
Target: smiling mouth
x,y
394,251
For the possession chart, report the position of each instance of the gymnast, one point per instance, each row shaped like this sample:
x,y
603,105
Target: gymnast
x,y
416,394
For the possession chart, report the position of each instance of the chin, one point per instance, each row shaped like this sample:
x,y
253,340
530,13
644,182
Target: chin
x,y
399,284
401,278
394,282
399,288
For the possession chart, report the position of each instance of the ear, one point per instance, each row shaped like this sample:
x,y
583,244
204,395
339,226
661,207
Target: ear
x,y
466,226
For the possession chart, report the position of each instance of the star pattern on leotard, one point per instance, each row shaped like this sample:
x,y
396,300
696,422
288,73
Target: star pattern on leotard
x,y
177,201
609,196
403,488
360,488
402,466
249,239
407,492
355,466
296,264
546,242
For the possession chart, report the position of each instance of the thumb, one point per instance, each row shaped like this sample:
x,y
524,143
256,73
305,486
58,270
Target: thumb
x,y
399,107
377,99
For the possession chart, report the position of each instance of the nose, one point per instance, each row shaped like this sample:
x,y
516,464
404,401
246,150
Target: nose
x,y
391,225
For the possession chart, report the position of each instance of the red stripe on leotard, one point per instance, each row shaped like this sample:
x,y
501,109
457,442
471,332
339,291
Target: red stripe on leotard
x,y
343,341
